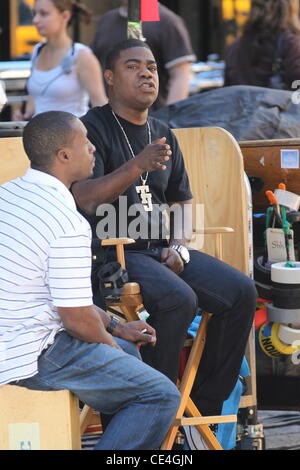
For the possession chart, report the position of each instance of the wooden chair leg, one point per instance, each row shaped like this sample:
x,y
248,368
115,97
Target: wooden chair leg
x,y
85,418
129,312
187,406
188,379
170,438
204,429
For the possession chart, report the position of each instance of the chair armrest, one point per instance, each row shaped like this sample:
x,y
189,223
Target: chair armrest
x,y
218,232
117,241
214,230
120,242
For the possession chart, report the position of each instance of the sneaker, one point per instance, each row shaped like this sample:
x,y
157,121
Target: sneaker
x,y
194,439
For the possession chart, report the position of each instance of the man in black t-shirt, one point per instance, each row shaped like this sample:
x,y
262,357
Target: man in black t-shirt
x,y
139,167
112,152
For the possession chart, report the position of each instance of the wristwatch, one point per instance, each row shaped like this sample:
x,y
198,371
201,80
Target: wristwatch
x,y
182,251
112,324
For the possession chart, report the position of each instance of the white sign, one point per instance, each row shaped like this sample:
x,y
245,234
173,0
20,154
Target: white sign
x,y
24,436
276,245
289,158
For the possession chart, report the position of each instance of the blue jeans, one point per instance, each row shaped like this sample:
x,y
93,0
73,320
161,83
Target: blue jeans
x,y
172,302
143,401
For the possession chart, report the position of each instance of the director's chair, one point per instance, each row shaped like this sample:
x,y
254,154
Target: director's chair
x,y
215,166
130,302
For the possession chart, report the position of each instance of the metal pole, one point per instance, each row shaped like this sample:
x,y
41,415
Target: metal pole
x,y
134,11
76,27
134,25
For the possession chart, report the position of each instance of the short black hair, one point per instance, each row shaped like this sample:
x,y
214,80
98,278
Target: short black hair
x,y
115,52
45,134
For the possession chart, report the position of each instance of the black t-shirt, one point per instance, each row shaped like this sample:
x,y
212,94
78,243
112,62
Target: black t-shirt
x,y
112,151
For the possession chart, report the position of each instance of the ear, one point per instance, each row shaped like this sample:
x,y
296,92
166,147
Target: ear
x,y
66,15
109,77
62,156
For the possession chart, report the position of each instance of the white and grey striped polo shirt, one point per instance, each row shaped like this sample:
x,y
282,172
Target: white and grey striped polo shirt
x,y
45,263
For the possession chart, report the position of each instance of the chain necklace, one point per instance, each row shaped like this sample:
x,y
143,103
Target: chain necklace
x,y
143,190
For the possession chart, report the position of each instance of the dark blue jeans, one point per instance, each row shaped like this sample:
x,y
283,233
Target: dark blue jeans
x,y
172,302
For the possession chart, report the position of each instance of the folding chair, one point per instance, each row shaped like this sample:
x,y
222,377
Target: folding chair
x,y
130,302
215,167
187,405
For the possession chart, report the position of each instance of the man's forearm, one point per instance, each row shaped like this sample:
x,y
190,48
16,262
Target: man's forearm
x,y
105,318
179,82
89,194
86,324
117,331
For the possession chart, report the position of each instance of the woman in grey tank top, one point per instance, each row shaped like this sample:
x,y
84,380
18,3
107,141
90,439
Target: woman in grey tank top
x,y
65,75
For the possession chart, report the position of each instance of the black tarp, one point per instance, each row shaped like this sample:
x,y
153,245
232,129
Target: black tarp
x,y
247,112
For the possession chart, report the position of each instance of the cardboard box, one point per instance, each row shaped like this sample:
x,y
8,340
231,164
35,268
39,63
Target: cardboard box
x,y
36,420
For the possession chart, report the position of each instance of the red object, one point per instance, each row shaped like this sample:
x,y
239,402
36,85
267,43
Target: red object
x,y
183,358
261,317
149,10
272,199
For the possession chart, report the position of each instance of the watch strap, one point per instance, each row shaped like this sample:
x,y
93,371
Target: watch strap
x,y
112,324
175,247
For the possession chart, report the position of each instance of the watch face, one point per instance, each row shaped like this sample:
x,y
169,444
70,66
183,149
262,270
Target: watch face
x,y
184,252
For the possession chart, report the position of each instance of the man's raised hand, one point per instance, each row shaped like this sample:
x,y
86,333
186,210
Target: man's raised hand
x,y
154,156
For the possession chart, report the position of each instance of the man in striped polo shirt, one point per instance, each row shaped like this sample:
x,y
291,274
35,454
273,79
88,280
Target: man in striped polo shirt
x,y
52,337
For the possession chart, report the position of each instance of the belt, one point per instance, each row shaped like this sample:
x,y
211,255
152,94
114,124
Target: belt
x,y
146,245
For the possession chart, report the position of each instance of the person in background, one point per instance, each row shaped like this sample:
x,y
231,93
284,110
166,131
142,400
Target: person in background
x,y
65,75
273,28
168,39
52,337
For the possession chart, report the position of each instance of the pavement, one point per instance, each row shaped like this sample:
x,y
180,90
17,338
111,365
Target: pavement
x,y
281,430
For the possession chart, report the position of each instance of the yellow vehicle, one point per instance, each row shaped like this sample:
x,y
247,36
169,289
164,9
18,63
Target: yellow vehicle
x,y
23,34
234,13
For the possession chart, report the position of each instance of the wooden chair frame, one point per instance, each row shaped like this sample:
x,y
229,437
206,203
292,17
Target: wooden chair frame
x,y
130,302
187,405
